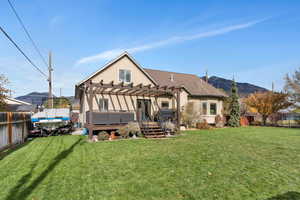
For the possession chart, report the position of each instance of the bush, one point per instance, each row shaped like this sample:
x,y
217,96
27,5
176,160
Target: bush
x,y
203,124
103,135
190,116
123,132
132,128
169,126
244,121
219,121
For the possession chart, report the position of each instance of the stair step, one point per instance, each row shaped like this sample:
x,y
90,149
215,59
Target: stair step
x,y
154,133
155,136
156,128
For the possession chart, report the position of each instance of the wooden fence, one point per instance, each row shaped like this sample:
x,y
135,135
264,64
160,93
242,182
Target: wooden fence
x,y
14,128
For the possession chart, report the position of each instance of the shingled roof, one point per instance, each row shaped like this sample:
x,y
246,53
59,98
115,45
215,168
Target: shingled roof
x,y
192,83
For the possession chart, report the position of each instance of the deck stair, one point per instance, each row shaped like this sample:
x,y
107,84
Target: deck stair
x,y
152,130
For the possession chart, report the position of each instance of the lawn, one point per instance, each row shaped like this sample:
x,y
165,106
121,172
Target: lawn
x,y
239,163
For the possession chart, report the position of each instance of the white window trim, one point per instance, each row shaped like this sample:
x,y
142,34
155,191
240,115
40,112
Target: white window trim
x,y
208,107
216,108
125,76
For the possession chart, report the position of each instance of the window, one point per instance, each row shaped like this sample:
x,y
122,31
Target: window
x,y
204,108
103,104
125,75
213,108
165,105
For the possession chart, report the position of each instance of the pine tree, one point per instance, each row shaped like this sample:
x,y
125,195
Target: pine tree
x,y
234,120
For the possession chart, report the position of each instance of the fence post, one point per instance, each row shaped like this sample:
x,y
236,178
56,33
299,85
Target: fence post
x,y
9,128
23,127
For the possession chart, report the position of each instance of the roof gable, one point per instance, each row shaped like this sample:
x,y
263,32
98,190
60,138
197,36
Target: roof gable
x,y
109,64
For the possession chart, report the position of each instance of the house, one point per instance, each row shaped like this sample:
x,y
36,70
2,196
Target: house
x,y
124,91
14,105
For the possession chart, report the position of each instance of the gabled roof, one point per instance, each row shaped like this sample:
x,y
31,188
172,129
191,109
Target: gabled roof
x,y
107,65
192,83
9,100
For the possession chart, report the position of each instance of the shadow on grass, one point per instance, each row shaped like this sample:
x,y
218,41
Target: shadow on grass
x,y
22,193
286,196
7,152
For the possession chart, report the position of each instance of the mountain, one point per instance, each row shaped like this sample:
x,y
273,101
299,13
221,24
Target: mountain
x,y
37,98
244,88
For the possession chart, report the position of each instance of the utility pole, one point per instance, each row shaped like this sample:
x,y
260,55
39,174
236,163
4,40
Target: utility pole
x,y
273,86
50,97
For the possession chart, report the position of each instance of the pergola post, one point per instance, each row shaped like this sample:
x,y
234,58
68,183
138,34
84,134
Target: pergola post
x,y
90,102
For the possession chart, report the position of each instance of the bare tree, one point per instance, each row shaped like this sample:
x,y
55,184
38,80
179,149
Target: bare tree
x,y
292,86
3,92
190,115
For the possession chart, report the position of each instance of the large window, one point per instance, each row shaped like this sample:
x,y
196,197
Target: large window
x,y
103,104
125,75
213,108
204,108
165,105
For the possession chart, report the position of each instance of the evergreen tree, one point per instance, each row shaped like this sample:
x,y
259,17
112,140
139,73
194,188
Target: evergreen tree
x,y
234,120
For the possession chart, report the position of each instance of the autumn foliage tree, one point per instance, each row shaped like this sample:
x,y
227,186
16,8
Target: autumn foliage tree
x,y
60,102
268,103
3,92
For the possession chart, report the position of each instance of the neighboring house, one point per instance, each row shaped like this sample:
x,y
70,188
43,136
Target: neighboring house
x,y
123,86
14,105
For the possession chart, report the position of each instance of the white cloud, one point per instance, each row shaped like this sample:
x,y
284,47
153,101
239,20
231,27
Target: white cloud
x,y
106,55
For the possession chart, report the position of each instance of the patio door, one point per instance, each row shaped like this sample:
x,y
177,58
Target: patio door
x,y
144,109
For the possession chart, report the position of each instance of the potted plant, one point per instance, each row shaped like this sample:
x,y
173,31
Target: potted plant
x,y
103,135
113,135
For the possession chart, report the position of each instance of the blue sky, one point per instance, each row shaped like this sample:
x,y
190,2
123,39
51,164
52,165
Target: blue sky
x,y
257,41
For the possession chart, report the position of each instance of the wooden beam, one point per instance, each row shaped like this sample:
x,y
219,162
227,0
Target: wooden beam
x,y
90,103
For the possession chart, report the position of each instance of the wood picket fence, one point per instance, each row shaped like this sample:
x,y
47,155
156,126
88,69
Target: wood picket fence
x,y
14,128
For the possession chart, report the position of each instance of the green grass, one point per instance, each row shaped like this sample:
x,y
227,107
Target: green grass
x,y
241,163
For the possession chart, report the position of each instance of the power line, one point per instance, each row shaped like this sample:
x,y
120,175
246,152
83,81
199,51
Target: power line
x,y
27,33
27,58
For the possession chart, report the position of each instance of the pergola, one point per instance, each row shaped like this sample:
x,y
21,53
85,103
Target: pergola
x,y
91,89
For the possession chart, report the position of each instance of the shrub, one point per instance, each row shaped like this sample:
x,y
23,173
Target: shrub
x,y
169,126
123,132
219,121
244,121
133,128
103,135
140,134
190,116
203,124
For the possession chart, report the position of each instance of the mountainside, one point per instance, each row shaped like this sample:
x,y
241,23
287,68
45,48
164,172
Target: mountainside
x,y
37,98
244,89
